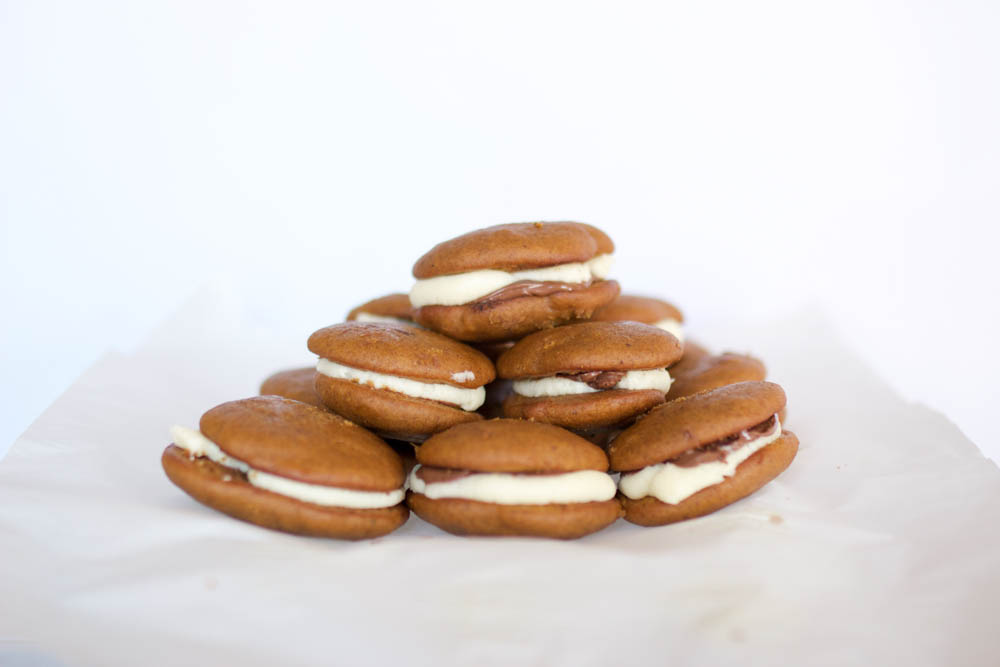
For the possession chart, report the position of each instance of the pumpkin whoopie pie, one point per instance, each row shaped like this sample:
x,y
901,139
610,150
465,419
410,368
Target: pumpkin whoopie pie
x,y
692,376
697,454
290,466
391,308
633,308
512,477
588,375
400,381
298,384
506,281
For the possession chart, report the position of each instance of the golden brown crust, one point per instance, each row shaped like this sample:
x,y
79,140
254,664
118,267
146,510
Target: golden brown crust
x,y
296,384
589,346
391,305
302,442
685,423
633,308
389,413
225,490
714,371
584,411
512,247
511,445
693,352
514,318
604,243
403,351
752,474
470,517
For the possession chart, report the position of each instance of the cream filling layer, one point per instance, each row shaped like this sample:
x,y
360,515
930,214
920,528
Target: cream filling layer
x,y
657,378
672,326
383,319
461,288
196,444
581,486
671,483
467,399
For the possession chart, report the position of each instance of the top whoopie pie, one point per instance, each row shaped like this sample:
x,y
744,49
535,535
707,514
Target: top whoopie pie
x,y
398,380
392,308
503,282
512,477
633,308
588,375
290,466
694,455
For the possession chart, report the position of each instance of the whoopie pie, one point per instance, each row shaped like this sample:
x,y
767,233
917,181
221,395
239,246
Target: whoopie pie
x,y
694,455
298,384
290,466
644,309
391,308
713,371
588,375
503,282
512,477
401,381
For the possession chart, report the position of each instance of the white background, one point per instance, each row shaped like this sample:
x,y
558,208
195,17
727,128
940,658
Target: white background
x,y
747,158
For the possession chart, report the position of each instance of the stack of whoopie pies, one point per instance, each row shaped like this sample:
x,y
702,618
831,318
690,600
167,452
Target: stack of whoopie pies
x,y
513,391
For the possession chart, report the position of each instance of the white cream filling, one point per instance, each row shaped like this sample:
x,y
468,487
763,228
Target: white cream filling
x,y
467,399
671,483
657,378
196,444
382,319
460,288
581,486
672,326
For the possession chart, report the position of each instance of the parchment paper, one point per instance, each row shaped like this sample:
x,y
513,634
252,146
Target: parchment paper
x,y
880,544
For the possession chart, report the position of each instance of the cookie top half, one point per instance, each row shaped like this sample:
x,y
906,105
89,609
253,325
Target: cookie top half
x,y
514,247
511,446
693,421
589,346
404,351
304,443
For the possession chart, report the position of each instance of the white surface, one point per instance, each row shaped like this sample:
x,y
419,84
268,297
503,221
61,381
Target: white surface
x,y
878,545
848,152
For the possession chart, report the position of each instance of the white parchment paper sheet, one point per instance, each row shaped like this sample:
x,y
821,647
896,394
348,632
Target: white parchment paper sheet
x,y
880,544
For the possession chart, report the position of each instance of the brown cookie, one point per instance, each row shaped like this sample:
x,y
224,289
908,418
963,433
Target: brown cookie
x,y
275,462
633,308
520,304
498,457
713,371
763,466
588,375
514,247
674,459
423,382
692,353
297,384
390,308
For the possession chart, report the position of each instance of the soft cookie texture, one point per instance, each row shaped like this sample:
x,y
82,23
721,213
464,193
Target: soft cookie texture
x,y
525,305
615,347
293,441
699,423
399,351
298,384
516,448
713,371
